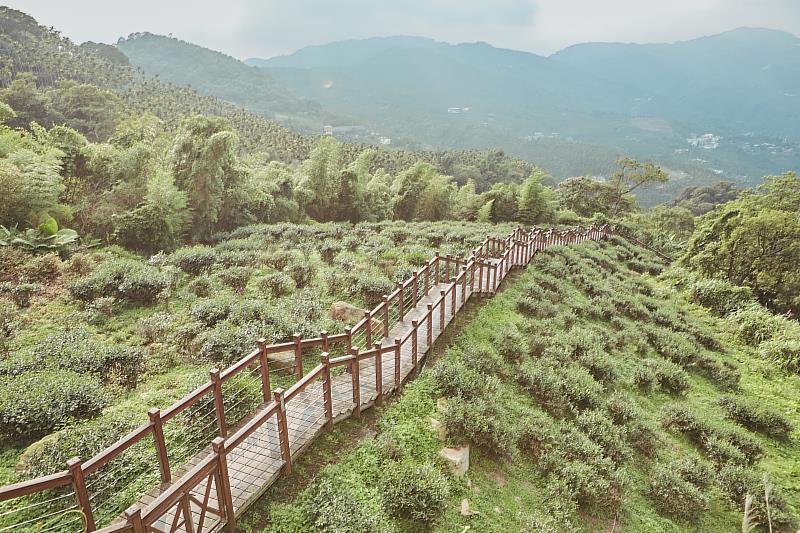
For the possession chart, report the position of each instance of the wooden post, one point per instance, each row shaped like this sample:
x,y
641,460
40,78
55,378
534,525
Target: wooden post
x,y
385,317
218,445
355,371
414,326
263,363
472,274
448,258
397,362
219,406
453,296
368,327
427,278
349,333
480,277
415,287
442,311
463,284
298,357
81,494
430,325
325,359
401,304
378,373
494,276
436,277
283,430
161,446
133,515
324,336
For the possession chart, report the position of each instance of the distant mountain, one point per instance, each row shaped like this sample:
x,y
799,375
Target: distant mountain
x,y
223,76
719,106
744,80
586,102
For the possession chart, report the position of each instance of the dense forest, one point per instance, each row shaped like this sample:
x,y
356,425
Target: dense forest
x,y
148,232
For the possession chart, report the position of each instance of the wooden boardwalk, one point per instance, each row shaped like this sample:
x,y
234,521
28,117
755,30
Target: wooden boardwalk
x,y
255,464
242,459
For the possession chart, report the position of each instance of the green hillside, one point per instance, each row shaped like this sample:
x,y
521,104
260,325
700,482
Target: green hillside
x,y
594,397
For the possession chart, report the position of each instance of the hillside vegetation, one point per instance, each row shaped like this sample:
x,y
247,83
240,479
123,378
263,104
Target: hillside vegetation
x,y
593,397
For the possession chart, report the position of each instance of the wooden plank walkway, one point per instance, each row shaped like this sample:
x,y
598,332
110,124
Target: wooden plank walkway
x,y
255,464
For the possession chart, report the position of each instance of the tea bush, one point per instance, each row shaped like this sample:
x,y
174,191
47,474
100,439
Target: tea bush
x,y
33,403
783,351
210,311
512,345
675,495
736,482
754,324
193,259
124,279
76,350
719,296
227,343
344,506
417,492
236,277
668,376
276,284
755,416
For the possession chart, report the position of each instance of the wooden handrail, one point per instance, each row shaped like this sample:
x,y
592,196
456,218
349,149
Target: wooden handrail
x,y
516,250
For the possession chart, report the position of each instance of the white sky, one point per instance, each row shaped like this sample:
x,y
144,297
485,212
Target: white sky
x,y
264,28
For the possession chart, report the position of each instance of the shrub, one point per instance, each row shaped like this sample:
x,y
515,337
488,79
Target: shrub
x,y
536,308
20,293
33,403
482,421
41,268
372,287
276,284
668,376
154,328
601,430
236,277
227,343
578,463
454,378
721,443
76,350
621,408
674,495
720,296
124,279
210,311
302,273
783,351
342,505
753,324
756,417
193,259
558,386
511,345
288,518
736,482
415,491
721,371
201,286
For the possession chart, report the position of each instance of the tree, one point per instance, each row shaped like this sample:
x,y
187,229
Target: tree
x,y
159,223
629,176
436,199
27,101
504,201
408,189
204,166
536,202
484,214
586,196
86,108
752,242
466,202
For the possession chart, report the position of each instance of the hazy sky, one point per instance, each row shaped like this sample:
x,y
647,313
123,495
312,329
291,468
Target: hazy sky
x,y
264,28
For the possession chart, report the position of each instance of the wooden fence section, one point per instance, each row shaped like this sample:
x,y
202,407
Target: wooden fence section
x,y
242,458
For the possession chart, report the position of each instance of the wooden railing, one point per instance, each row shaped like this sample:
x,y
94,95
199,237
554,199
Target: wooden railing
x,y
479,273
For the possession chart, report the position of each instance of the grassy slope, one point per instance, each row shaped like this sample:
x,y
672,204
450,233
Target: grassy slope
x,y
515,493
